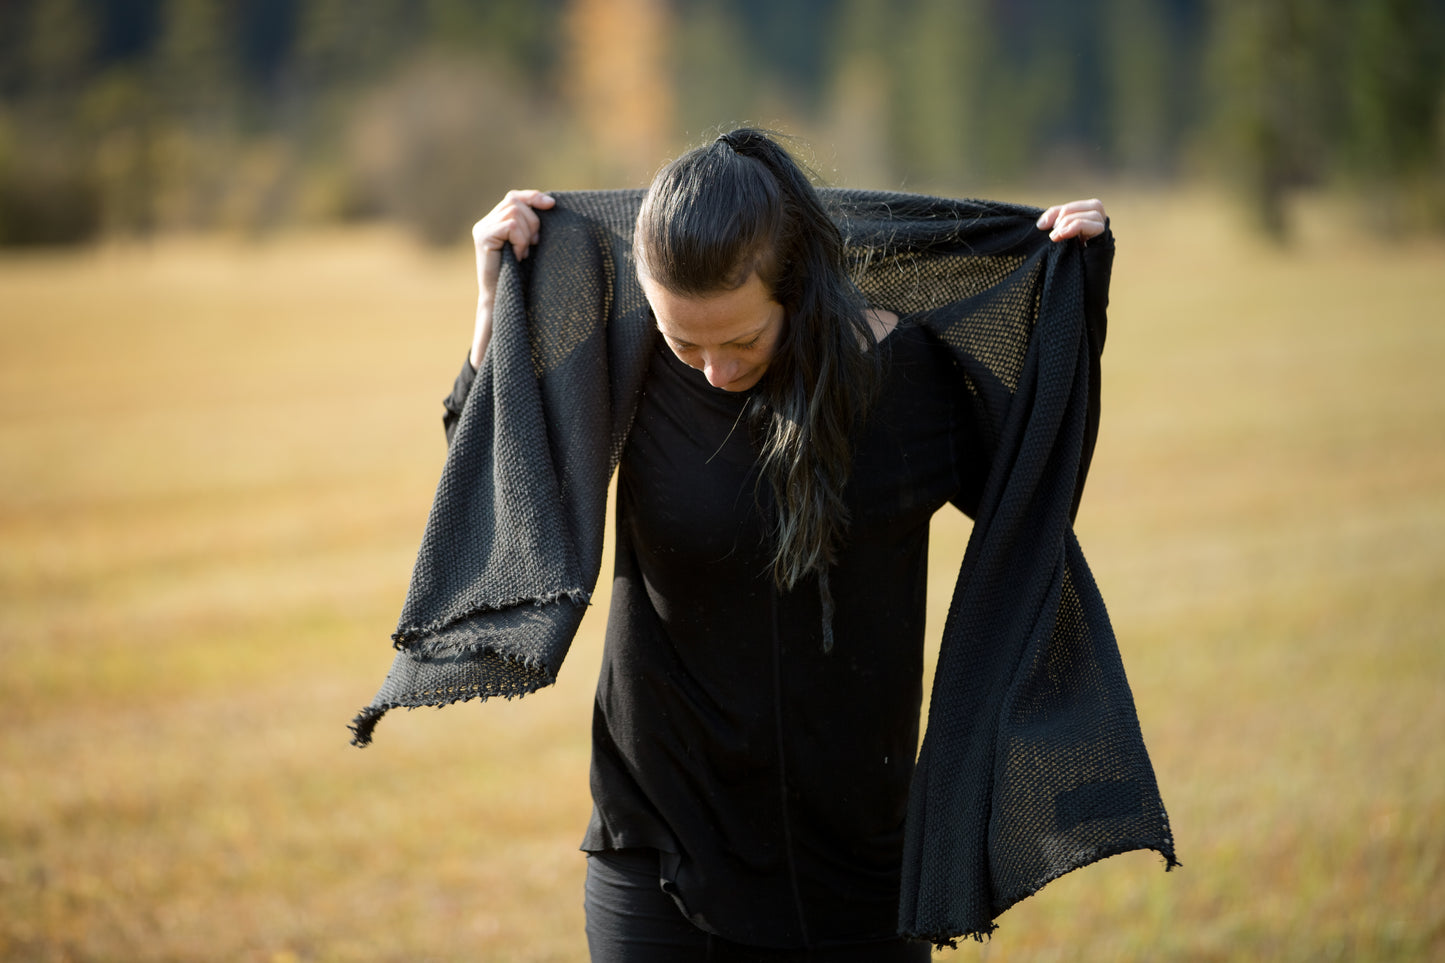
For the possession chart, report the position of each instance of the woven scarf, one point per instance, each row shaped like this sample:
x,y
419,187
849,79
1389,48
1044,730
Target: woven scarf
x,y
1032,762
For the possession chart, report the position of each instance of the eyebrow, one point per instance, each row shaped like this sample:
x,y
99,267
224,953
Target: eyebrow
x,y
740,339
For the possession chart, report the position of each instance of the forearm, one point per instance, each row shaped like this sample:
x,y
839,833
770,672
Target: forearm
x,y
457,400
482,332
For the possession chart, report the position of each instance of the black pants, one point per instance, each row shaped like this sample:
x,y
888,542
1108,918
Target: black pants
x,y
631,920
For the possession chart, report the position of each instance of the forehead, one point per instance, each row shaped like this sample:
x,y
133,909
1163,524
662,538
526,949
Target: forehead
x,y
712,319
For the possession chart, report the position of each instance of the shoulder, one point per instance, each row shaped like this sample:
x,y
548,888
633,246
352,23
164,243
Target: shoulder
x,y
882,321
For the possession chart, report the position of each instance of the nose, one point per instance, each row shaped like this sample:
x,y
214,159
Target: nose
x,y
720,371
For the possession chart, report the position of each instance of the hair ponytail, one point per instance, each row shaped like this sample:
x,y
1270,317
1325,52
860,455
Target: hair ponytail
x,y
713,217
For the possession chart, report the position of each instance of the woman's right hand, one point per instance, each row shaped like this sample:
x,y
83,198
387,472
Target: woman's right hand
x,y
514,220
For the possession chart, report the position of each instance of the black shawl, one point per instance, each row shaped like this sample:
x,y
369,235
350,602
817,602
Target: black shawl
x,y
1032,764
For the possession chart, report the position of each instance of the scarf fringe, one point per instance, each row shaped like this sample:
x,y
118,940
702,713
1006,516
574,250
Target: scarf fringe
x,y
948,936
364,723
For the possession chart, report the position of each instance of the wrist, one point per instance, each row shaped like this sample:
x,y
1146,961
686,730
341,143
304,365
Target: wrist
x,y
480,336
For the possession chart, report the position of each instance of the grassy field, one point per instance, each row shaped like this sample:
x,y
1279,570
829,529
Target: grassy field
x,y
215,464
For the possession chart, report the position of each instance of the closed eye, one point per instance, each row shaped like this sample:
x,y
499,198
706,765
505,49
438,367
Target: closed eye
x,y
741,345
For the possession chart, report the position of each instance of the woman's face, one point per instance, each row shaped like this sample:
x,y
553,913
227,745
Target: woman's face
x,y
729,336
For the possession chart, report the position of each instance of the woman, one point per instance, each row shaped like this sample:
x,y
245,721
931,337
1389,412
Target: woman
x,y
757,711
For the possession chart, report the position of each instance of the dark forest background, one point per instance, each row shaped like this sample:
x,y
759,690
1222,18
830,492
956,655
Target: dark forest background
x,y
131,117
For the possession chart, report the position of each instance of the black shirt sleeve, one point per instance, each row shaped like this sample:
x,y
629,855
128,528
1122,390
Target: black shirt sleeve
x,y
454,402
1098,268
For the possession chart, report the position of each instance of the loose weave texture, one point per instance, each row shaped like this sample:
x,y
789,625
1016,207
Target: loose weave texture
x,y
1032,762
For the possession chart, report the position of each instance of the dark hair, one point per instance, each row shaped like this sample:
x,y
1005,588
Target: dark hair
x,y
740,205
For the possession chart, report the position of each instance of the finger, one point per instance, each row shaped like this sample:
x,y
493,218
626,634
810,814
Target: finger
x,y
1092,226
493,231
523,229
1083,224
1092,205
536,199
513,220
523,235
1060,213
516,223
513,201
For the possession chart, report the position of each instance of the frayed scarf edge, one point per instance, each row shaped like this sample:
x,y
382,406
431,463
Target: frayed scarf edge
x,y
364,723
413,638
948,937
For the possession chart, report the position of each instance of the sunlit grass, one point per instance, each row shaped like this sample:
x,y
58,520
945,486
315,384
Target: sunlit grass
x,y
215,464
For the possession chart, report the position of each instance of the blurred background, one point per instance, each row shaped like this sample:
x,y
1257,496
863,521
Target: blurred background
x,y
235,284
133,117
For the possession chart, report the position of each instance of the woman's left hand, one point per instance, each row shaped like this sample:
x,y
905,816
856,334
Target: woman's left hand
x,y
1081,219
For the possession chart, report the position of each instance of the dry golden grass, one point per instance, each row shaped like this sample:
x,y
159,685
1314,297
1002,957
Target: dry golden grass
x,y
215,463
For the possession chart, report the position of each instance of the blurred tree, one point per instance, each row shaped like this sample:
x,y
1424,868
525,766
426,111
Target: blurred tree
x,y
261,36
942,64
195,62
862,92
342,47
47,189
121,114
716,71
1395,102
1033,76
440,143
1268,65
195,72
790,43
13,28
379,107
1137,58
1063,45
59,46
519,32
618,84
346,41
